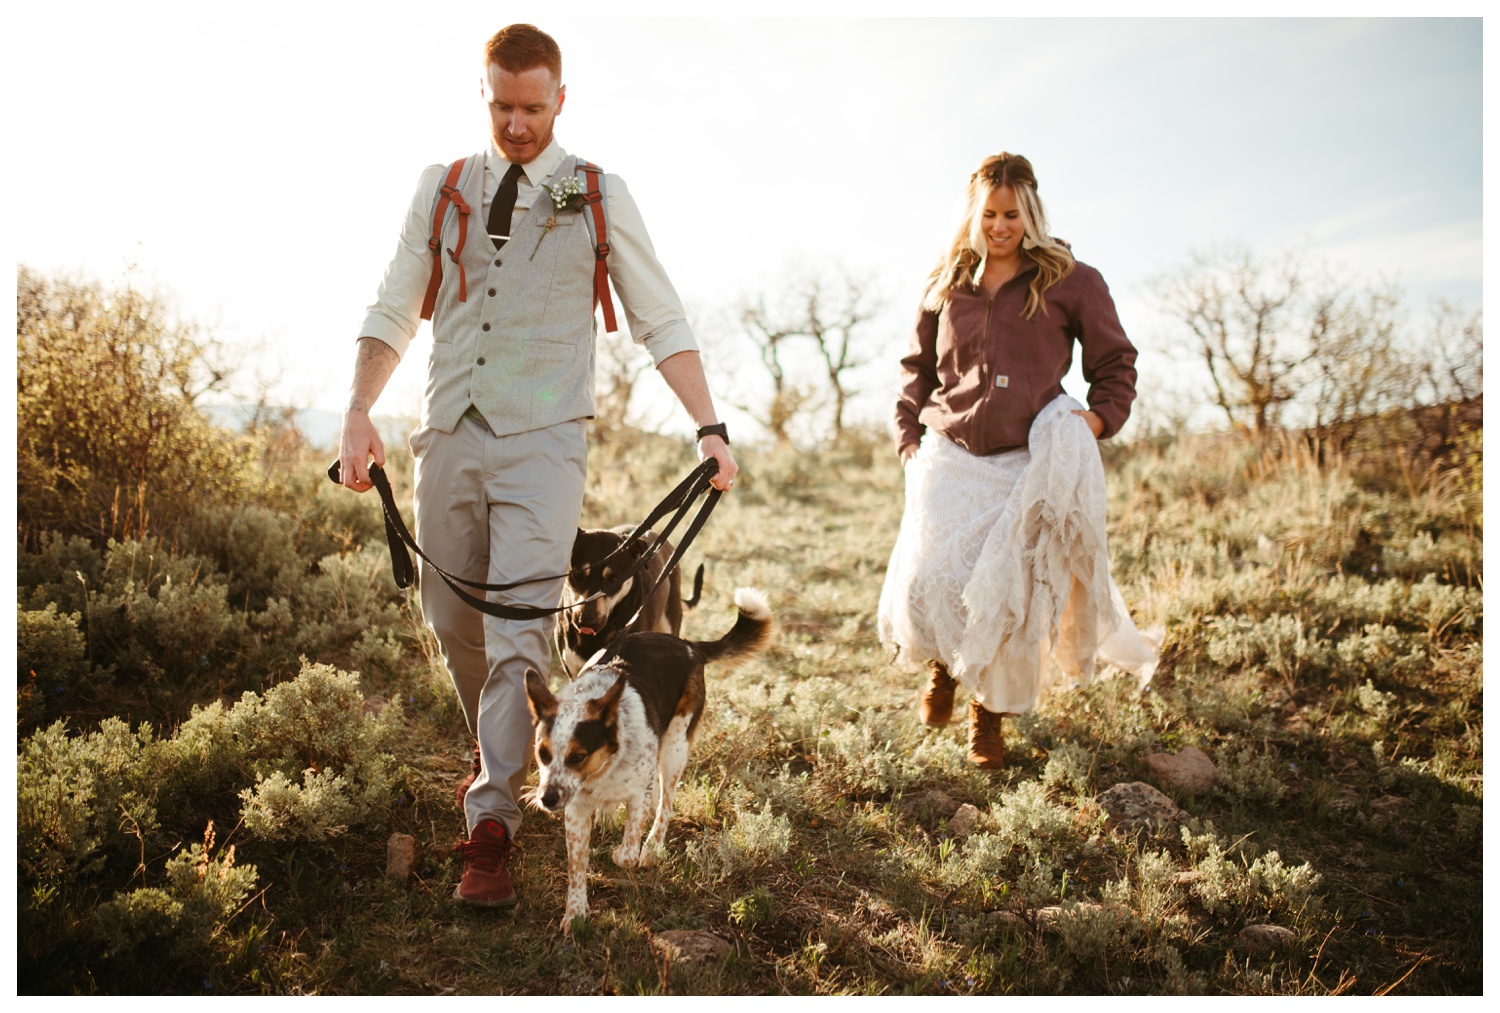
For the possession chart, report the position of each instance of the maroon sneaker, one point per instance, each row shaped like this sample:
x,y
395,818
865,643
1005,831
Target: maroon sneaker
x,y
485,882
468,782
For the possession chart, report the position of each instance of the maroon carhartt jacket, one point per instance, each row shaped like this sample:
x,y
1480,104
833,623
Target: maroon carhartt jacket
x,y
979,371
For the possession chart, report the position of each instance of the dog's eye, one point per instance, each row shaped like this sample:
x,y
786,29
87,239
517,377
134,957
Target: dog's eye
x,y
543,755
607,575
576,759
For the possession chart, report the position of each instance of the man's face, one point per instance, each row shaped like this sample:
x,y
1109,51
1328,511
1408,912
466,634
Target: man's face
x,y
522,107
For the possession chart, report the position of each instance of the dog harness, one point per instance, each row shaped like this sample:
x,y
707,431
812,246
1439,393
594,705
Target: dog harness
x,y
448,196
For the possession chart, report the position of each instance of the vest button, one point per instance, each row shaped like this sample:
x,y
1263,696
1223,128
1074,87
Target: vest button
x,y
481,360
492,291
485,327
497,261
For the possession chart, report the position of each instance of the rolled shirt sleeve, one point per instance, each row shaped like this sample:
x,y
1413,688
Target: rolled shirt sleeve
x,y
397,311
653,310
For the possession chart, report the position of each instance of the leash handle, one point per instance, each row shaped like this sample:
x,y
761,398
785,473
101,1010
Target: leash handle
x,y
399,538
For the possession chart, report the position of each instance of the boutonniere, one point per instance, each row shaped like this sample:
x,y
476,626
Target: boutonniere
x,y
567,195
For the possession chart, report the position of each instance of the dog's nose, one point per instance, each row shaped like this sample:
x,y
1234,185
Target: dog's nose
x,y
549,799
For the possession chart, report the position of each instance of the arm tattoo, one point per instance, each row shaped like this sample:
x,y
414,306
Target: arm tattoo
x,y
374,361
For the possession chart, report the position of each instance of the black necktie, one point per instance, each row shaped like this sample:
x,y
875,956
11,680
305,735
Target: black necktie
x,y
502,206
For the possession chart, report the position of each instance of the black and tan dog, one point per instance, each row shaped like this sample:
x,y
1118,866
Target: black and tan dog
x,y
585,631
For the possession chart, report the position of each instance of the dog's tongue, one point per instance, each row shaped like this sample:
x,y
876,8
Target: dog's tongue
x,y
587,631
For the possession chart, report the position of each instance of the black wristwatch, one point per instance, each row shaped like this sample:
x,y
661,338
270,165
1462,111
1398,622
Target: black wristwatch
x,y
718,429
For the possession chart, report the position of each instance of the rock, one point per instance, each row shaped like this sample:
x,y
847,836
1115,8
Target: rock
x,y
928,803
1265,938
964,821
1387,805
373,704
1189,771
400,856
1137,805
688,946
1007,919
1187,877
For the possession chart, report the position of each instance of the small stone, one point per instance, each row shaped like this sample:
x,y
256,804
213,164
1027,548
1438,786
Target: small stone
x,y
400,856
1187,877
1266,938
1007,919
1385,805
1189,771
964,821
1136,806
373,704
928,803
689,946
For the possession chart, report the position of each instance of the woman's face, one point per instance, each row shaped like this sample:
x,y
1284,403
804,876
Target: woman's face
x,y
1000,221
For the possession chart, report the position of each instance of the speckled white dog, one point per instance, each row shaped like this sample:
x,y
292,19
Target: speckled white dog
x,y
621,732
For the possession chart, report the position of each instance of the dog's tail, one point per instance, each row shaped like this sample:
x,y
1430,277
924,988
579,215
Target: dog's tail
x,y
750,633
697,589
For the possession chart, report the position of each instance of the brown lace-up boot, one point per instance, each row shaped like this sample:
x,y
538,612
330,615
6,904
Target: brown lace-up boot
x,y
986,751
936,706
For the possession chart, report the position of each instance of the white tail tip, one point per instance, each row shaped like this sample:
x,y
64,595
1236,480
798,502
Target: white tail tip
x,y
752,602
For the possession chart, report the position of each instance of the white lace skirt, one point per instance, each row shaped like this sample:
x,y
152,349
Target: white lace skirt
x,y
999,564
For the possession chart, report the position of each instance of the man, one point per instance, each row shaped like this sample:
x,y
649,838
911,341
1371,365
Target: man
x,y
500,449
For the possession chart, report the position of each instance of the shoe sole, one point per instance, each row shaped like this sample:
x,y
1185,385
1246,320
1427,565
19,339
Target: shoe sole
x,y
471,902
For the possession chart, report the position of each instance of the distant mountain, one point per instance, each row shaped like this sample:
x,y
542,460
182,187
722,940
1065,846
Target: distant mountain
x,y
318,427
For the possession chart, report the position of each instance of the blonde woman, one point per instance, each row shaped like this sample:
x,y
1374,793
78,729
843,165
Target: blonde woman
x,y
1001,557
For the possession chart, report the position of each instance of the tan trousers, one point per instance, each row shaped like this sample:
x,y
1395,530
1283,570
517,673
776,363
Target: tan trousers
x,y
497,509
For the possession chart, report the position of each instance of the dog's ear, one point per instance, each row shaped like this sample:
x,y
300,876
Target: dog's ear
x,y
606,708
539,698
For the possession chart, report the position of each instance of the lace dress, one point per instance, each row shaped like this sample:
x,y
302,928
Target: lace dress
x,y
1002,560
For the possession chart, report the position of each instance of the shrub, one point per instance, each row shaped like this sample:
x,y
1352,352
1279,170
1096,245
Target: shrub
x,y
754,839
201,894
110,442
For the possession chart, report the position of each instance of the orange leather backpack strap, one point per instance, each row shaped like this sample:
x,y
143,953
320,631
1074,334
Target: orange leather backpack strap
x,y
593,197
448,194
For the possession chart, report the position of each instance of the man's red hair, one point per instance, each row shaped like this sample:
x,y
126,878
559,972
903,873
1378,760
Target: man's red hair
x,y
518,48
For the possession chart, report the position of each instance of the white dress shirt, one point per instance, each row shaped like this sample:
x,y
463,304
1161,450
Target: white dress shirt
x,y
653,310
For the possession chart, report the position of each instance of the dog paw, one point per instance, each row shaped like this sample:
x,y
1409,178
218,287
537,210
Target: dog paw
x,y
627,857
572,923
649,857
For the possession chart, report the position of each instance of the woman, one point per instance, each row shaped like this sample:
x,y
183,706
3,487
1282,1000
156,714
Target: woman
x,y
1001,556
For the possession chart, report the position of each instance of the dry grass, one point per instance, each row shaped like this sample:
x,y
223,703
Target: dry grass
x,y
1346,720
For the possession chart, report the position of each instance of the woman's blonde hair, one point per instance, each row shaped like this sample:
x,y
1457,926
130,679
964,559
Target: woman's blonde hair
x,y
966,253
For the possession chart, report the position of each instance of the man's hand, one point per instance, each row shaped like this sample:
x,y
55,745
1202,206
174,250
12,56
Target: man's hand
x,y
358,444
907,453
1095,423
715,447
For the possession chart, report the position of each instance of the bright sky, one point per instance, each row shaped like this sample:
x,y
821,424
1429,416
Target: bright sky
x,y
260,166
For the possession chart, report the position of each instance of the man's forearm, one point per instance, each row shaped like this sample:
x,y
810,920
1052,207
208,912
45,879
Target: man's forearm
x,y
374,362
684,374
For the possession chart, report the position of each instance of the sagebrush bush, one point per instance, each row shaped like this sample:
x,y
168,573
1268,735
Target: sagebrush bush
x,y
754,839
183,918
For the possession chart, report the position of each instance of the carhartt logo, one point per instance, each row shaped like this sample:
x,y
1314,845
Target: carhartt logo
x,y
1002,381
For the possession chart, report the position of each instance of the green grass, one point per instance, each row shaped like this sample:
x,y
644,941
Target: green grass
x,y
1323,647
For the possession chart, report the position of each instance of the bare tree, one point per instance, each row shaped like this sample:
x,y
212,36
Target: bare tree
x,y
787,397
1361,366
1254,322
828,309
1452,366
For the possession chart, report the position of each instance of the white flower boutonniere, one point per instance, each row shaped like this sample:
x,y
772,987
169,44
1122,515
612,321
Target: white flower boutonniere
x,y
567,195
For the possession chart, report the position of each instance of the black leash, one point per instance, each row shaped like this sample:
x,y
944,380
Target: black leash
x,y
678,502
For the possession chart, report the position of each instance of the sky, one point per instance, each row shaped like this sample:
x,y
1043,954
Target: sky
x,y
258,167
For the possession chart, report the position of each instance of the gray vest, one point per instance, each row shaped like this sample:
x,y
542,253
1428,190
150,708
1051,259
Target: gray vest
x,y
520,348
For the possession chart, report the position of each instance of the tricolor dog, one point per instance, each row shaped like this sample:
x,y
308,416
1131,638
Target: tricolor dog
x,y
621,732
586,630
